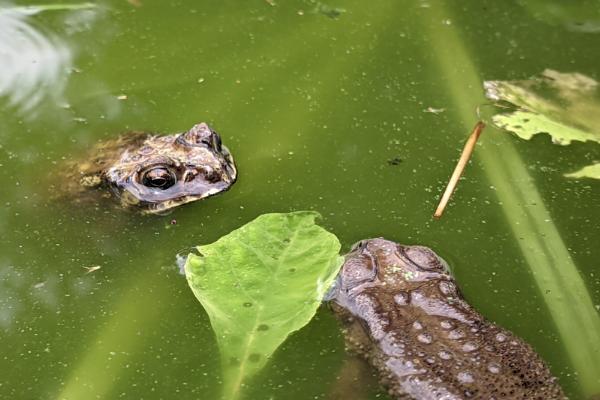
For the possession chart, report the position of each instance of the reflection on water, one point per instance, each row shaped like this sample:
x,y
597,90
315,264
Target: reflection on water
x,y
23,288
34,62
582,16
10,283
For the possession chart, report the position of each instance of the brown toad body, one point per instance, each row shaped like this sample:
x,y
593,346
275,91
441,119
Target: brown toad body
x,y
154,173
403,312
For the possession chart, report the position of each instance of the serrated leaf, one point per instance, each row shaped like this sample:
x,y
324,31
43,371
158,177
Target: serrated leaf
x,y
563,105
260,283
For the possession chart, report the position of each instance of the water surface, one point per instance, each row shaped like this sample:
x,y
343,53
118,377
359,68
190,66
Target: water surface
x,y
314,107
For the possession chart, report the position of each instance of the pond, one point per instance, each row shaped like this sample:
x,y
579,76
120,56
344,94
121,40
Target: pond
x,y
357,110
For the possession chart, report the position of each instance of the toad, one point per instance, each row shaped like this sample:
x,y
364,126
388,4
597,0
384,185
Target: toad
x,y
155,173
404,314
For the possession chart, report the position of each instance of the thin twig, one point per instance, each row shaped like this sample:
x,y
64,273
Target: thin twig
x,y
460,167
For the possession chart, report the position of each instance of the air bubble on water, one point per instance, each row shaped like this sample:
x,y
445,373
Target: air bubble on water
x,y
180,260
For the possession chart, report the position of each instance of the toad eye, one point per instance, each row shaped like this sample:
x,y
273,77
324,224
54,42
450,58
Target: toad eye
x,y
158,177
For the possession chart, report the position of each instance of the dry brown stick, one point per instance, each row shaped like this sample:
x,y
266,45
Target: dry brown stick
x,y
460,167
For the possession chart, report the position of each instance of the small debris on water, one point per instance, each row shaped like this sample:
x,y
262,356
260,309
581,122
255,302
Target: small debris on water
x,y
327,10
460,166
39,285
122,97
271,3
173,222
92,268
180,260
395,161
433,110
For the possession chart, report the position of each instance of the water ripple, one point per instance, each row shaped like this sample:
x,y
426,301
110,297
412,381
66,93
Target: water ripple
x,y
33,64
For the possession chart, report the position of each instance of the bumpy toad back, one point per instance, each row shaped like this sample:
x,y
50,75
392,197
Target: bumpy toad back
x,y
404,313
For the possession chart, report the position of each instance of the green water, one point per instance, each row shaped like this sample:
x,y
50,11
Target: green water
x,y
312,108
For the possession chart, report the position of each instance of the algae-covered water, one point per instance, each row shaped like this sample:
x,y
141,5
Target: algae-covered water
x,y
325,106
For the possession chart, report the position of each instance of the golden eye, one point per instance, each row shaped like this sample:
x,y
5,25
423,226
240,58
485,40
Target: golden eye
x,y
159,177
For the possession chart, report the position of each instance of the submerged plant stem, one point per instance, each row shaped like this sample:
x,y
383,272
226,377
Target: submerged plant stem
x,y
460,167
552,268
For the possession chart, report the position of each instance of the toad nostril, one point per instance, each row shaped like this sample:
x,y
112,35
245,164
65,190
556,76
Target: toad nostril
x,y
211,175
361,245
190,175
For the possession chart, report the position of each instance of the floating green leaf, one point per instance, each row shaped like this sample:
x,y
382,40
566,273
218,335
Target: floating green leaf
x,y
563,105
260,283
591,171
